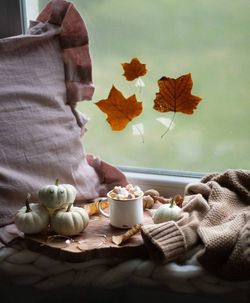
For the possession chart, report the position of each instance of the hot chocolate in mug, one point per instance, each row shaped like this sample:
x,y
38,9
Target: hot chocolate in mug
x,y
124,213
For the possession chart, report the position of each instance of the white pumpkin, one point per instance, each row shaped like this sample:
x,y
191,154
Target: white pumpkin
x,y
57,195
32,218
70,221
167,212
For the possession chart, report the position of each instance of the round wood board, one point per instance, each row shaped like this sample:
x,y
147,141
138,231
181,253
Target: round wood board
x,y
95,241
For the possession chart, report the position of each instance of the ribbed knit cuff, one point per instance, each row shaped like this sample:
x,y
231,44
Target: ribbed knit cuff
x,y
164,241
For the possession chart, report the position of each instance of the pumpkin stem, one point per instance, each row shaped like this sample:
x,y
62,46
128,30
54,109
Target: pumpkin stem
x,y
57,182
27,202
69,207
172,202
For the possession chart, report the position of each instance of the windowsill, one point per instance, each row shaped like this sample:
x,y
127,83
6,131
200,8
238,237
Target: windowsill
x,y
167,184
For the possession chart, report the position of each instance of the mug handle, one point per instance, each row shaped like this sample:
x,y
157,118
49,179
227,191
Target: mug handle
x,y
100,209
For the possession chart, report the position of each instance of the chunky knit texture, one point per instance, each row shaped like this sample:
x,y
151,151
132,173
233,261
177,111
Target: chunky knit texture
x,y
216,213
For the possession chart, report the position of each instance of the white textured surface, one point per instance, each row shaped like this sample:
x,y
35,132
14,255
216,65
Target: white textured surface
x,y
25,267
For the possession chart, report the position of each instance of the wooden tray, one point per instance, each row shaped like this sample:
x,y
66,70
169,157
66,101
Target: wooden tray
x,y
95,241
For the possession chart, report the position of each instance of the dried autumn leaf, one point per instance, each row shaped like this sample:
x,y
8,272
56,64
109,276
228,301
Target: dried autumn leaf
x,y
120,111
178,199
92,208
175,95
134,69
119,239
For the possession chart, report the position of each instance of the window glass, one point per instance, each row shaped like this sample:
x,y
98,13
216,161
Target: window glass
x,y
210,40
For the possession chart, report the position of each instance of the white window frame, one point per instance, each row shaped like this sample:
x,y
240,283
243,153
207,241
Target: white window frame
x,y
168,183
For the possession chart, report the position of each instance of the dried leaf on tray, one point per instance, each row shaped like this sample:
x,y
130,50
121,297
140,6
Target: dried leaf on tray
x,y
58,241
92,241
92,209
178,199
119,239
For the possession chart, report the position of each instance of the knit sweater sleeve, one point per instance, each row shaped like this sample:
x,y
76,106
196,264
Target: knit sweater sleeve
x,y
245,240
168,241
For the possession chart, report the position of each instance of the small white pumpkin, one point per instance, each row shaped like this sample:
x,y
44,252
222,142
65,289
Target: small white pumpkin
x,y
57,195
167,212
32,218
70,221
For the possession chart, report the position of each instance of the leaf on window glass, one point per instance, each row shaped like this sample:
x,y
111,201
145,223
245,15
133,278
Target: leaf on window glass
x,y
120,111
175,96
166,122
134,69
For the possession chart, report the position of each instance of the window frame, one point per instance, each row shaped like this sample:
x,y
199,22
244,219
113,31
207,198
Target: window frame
x,y
15,9
167,182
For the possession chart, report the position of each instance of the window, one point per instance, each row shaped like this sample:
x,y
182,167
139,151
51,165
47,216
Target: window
x,y
208,39
15,10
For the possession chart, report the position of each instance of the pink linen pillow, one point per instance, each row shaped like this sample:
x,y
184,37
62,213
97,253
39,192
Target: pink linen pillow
x,y
42,76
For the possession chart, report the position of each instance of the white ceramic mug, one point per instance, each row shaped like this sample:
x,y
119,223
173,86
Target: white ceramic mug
x,y
124,213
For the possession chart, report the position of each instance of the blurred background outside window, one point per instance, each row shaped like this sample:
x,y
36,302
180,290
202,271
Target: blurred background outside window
x,y
210,40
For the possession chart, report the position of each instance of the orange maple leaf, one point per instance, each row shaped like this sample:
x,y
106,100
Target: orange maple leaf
x,y
120,111
175,95
134,69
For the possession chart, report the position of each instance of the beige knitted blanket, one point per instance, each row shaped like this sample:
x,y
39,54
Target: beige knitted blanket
x,y
25,267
